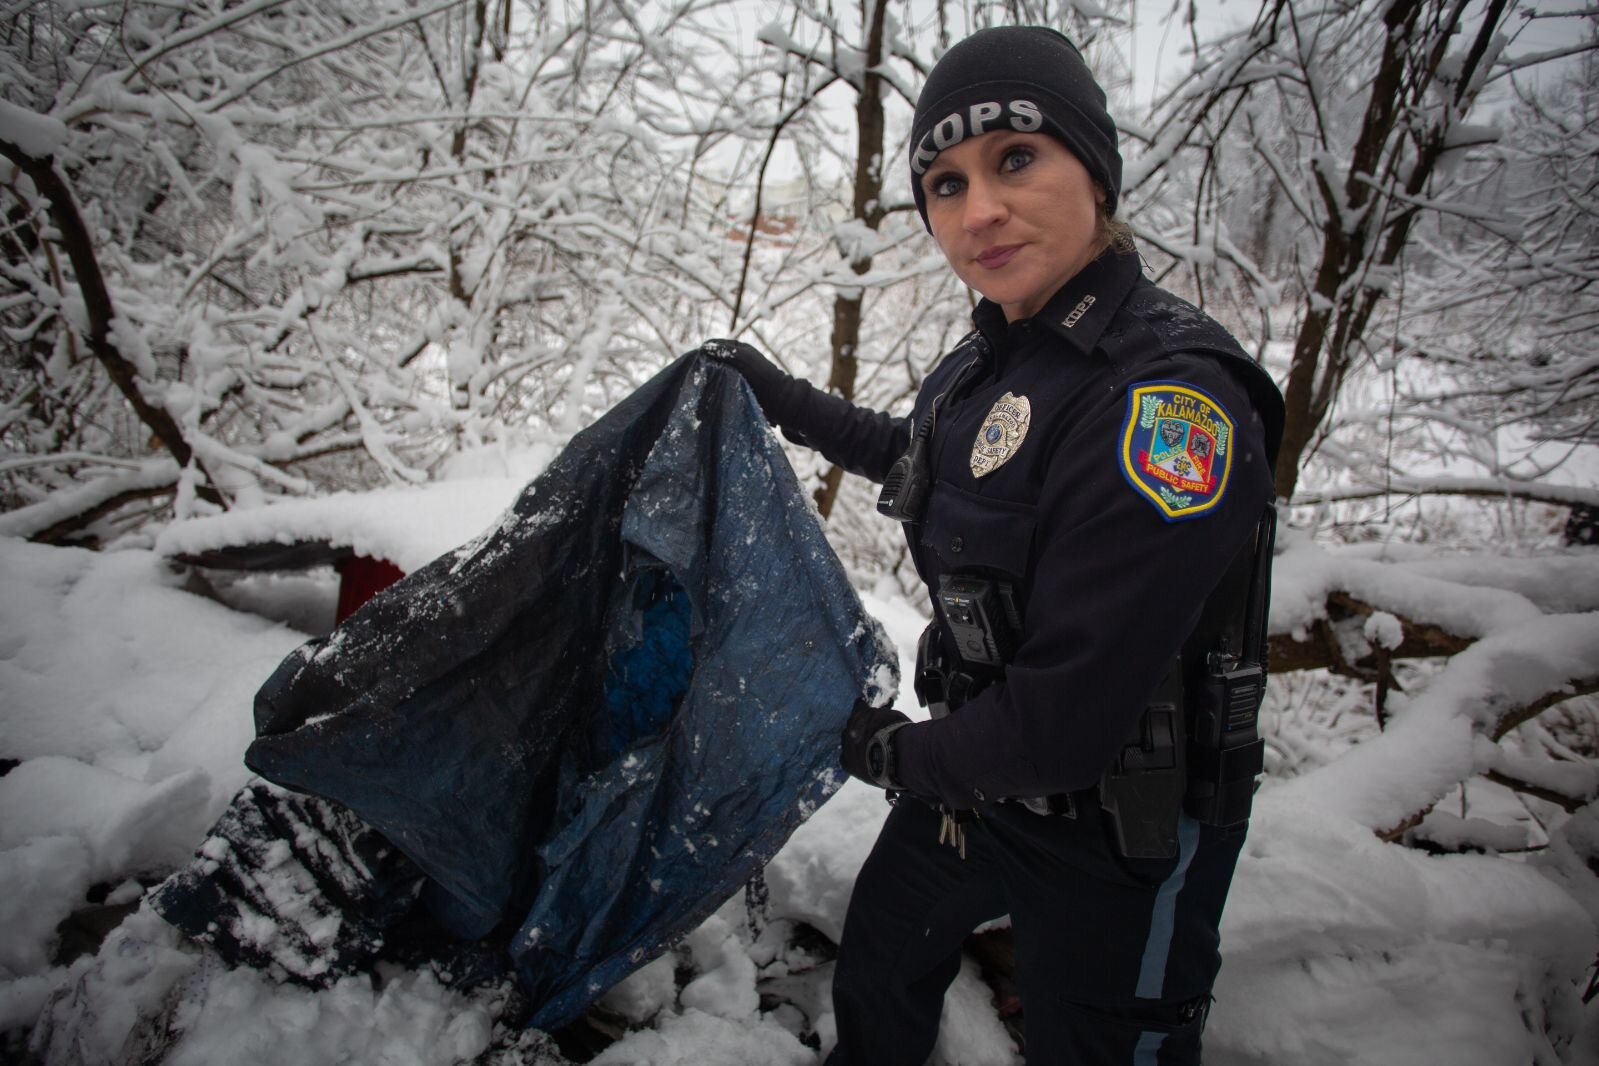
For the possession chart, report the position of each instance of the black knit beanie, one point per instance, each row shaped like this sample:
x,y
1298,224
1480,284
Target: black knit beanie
x,y
1026,78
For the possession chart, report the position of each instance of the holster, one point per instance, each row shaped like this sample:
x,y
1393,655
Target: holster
x,y
1142,792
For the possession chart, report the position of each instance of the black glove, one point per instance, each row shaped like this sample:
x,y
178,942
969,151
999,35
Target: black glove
x,y
766,379
868,744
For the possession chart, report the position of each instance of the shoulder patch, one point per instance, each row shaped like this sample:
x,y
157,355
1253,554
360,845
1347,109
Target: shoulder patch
x,y
1176,448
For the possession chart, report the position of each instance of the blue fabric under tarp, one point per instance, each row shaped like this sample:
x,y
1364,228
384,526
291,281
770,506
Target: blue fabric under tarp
x,y
590,726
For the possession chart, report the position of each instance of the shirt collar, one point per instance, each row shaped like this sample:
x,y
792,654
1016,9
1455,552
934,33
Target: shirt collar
x,y
1083,307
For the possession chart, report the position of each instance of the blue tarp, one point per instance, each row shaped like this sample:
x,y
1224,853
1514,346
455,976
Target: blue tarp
x,y
590,726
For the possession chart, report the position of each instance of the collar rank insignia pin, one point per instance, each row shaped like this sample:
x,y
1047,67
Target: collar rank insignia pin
x,y
1002,433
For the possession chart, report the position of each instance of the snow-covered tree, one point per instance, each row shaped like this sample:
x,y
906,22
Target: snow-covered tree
x,y
267,248
271,248
1360,181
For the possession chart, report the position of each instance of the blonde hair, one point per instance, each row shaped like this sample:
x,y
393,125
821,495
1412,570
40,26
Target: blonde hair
x,y
1112,231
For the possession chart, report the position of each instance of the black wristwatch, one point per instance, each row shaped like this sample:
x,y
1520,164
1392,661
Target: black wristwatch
x,y
881,762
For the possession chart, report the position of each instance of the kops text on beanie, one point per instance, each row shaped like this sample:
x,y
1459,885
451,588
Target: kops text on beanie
x,y
1025,78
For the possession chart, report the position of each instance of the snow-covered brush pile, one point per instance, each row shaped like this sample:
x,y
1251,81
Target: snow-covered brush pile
x,y
125,706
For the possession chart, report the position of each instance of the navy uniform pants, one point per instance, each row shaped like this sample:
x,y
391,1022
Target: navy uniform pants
x,y
1114,957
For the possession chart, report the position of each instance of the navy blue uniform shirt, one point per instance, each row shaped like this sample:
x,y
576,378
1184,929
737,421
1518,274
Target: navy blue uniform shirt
x,y
1141,474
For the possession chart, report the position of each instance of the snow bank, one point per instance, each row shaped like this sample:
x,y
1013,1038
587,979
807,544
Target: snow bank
x,y
127,702
104,659
1341,948
123,823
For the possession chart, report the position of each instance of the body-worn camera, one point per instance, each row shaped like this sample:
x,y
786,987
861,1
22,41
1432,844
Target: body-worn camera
x,y
983,623
982,617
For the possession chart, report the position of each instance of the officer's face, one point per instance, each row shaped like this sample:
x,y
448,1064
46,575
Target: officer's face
x,y
1016,215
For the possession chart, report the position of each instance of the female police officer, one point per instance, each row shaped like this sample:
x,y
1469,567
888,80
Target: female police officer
x,y
1081,480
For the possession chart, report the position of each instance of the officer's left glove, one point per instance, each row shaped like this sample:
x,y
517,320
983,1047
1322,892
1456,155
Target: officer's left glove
x,y
868,744
767,380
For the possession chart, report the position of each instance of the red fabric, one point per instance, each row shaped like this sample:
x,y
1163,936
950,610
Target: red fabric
x,y
360,578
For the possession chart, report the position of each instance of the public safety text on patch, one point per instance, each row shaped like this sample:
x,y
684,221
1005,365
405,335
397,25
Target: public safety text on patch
x,y
1176,448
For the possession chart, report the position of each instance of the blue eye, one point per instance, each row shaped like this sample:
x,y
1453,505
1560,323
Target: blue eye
x,y
1016,159
946,185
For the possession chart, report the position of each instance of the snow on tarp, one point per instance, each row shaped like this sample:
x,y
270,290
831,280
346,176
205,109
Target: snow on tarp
x,y
498,714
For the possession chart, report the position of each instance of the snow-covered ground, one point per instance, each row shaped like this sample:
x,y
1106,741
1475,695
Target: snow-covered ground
x,y
125,702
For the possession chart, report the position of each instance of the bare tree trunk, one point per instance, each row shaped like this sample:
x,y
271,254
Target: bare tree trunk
x,y
1319,363
1394,138
869,210
473,33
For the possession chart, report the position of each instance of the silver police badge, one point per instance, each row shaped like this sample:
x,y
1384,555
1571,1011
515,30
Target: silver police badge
x,y
1002,434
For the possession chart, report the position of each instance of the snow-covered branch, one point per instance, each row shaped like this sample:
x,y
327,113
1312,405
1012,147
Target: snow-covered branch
x,y
67,511
1519,637
1388,781
1491,488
